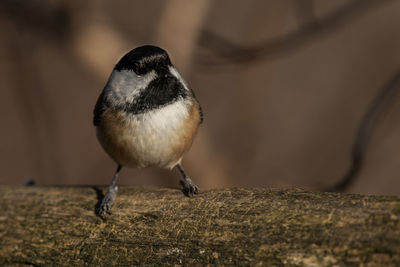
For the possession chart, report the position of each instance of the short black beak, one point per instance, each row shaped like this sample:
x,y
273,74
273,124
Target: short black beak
x,y
164,73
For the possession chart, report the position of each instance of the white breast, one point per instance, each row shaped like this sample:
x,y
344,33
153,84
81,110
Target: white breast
x,y
154,138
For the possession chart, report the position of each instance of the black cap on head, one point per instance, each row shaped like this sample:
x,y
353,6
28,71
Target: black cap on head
x,y
144,59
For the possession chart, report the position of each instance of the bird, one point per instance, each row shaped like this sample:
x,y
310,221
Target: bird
x,y
146,116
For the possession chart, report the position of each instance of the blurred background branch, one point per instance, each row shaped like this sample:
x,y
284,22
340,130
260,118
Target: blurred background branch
x,y
379,105
44,17
225,51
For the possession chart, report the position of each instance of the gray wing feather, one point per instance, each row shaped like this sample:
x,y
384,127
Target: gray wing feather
x,y
99,109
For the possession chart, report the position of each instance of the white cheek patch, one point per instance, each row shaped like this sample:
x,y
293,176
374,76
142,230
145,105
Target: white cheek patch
x,y
125,85
175,72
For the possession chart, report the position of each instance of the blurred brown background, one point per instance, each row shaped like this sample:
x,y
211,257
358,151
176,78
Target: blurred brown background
x,y
284,85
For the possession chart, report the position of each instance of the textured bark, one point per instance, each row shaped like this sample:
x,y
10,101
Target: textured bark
x,y
58,226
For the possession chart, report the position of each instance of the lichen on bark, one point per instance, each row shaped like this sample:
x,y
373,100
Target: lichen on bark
x,y
238,226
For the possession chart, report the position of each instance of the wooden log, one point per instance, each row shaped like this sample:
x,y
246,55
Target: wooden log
x,y
152,226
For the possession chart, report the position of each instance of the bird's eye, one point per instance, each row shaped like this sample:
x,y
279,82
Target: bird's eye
x,y
137,69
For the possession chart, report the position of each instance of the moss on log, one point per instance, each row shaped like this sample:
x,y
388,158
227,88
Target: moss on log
x,y
58,226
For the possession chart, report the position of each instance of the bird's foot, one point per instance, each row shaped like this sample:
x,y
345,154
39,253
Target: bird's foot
x,y
108,200
189,188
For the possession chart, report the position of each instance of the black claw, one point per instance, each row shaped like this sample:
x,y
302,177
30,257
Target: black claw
x,y
189,188
108,200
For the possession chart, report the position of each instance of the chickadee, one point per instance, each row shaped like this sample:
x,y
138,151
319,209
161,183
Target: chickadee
x,y
146,116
